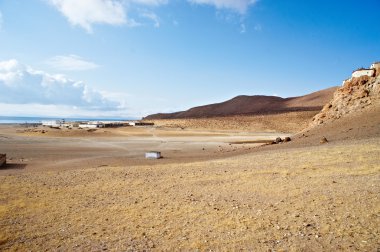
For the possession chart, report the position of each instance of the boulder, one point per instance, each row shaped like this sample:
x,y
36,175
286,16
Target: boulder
x,y
287,139
324,140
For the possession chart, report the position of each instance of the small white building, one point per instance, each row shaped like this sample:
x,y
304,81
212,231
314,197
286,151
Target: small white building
x,y
376,66
153,155
53,123
372,72
363,72
140,123
91,126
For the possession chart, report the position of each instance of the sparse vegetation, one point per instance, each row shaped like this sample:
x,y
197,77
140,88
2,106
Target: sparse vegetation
x,y
268,200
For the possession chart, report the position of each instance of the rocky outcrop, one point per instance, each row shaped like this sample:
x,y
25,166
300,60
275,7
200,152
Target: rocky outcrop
x,y
355,95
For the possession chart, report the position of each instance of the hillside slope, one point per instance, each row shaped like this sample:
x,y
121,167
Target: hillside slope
x,y
352,114
353,97
254,105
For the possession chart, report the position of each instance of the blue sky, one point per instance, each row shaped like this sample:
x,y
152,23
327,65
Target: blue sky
x,y
130,58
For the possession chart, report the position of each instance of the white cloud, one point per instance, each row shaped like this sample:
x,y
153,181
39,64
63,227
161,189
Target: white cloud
x,y
152,16
148,2
21,86
71,63
87,12
239,6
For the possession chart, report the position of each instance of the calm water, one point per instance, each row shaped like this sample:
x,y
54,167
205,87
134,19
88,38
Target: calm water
x,y
22,120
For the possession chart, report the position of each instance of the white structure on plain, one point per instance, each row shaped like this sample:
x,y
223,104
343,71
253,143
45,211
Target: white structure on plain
x,y
374,70
3,159
53,123
153,155
91,125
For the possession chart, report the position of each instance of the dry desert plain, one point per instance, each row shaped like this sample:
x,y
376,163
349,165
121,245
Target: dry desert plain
x,y
74,190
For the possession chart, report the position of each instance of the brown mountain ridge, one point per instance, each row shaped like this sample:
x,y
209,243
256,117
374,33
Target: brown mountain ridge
x,y
254,105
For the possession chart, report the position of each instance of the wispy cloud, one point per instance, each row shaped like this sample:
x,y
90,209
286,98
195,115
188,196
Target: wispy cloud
x,y
71,63
85,13
240,6
22,85
148,2
151,16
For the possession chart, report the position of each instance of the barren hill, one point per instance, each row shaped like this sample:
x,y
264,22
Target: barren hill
x,y
254,105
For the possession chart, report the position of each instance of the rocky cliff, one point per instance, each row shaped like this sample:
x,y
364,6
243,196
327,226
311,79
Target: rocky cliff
x,y
354,96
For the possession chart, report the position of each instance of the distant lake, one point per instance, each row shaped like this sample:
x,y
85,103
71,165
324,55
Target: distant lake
x,y
22,120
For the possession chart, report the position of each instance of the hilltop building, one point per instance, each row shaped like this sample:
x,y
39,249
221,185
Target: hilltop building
x,y
363,72
374,70
376,67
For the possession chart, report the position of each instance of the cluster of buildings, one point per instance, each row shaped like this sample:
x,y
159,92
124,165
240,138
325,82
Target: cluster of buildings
x,y
92,124
371,72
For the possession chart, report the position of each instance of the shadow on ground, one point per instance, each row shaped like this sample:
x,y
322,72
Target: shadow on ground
x,y
13,166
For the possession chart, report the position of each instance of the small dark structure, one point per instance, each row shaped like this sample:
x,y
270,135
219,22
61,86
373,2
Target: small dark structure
x,y
140,123
3,159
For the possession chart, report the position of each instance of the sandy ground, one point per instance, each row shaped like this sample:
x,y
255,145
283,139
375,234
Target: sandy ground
x,y
282,122
300,198
46,149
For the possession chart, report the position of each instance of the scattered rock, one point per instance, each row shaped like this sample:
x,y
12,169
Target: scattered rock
x,y
324,140
278,140
287,139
